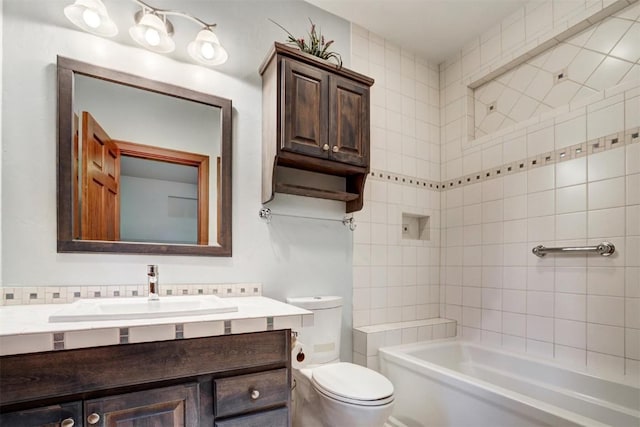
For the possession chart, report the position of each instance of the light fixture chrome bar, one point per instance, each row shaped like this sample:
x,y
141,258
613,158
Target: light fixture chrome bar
x,y
604,249
168,12
266,214
152,30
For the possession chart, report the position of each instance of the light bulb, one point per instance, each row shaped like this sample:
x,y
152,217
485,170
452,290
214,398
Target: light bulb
x,y
152,36
91,18
206,48
207,51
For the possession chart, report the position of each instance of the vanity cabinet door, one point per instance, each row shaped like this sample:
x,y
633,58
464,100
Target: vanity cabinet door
x,y
305,110
63,415
274,418
162,407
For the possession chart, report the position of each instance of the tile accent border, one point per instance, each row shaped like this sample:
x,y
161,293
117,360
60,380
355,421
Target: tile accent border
x,y
58,341
67,340
123,334
610,142
411,181
17,295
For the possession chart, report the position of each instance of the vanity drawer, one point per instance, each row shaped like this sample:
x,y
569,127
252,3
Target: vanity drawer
x,y
274,418
243,393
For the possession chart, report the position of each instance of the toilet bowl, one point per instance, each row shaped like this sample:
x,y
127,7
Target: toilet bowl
x,y
329,392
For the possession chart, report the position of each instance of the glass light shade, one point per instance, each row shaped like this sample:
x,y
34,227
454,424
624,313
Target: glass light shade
x,y
151,33
91,16
206,49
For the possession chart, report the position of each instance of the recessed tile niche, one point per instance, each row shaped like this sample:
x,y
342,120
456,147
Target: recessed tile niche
x,y
599,57
415,227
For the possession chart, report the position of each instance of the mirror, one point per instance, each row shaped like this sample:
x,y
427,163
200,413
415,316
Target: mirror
x,y
143,166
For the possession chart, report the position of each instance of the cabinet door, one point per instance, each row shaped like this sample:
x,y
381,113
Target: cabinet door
x,y
304,113
274,418
161,407
349,121
64,415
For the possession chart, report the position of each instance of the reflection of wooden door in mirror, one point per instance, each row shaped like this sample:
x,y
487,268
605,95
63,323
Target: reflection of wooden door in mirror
x,y
76,177
100,202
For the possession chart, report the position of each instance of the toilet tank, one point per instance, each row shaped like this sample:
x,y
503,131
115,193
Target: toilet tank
x,y
322,340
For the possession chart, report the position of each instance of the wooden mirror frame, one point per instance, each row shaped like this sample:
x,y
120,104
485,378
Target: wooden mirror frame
x,y
67,68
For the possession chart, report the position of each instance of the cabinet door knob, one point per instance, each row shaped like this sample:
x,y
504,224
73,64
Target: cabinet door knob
x,y
325,147
335,148
93,418
255,394
67,423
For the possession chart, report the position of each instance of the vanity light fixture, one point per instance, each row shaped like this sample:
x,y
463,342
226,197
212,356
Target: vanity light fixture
x,y
91,16
152,29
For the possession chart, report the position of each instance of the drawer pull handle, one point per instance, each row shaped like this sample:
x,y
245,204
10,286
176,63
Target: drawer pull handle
x,y
335,148
67,423
325,147
93,418
255,394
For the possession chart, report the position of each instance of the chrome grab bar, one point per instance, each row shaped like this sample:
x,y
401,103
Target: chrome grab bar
x,y
604,249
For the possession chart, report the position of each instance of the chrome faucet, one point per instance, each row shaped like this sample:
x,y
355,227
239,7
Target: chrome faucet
x,y
152,279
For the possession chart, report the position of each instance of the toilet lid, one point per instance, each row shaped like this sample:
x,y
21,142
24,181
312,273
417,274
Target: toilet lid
x,y
353,383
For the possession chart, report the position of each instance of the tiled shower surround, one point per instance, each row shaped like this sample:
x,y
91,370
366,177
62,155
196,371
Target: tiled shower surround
x,y
397,279
560,177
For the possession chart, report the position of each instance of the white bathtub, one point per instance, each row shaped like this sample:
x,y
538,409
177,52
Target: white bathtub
x,y
457,383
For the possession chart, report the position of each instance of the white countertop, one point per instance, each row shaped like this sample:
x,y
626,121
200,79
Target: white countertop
x,y
26,328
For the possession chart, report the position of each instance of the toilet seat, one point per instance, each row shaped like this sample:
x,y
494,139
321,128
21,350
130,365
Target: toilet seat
x,y
352,384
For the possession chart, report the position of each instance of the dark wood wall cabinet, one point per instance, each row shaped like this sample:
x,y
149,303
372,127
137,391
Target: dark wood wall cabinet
x,y
231,380
315,119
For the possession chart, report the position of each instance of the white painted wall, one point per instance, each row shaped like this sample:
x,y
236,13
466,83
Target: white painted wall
x,y
145,117
146,214
291,257
1,134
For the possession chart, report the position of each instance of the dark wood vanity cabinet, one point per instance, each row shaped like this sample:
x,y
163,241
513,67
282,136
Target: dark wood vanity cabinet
x,y
231,380
165,406
63,415
315,119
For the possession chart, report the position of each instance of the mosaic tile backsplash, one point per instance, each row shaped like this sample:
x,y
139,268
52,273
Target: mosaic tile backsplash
x,y
600,57
68,294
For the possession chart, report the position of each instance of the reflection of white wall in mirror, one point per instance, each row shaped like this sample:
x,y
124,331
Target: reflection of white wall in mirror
x,y
174,208
145,117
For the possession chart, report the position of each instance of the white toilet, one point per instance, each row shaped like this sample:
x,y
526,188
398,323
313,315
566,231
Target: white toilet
x,y
329,392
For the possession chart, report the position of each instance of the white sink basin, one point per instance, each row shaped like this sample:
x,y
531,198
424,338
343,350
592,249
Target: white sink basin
x,y
140,308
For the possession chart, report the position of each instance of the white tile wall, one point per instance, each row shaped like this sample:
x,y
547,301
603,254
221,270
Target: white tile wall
x,y
580,309
592,60
368,339
484,275
397,279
